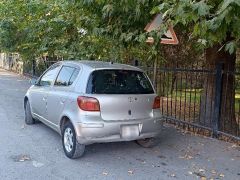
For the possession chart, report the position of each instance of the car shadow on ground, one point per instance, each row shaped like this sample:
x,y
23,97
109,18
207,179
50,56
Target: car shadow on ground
x,y
100,148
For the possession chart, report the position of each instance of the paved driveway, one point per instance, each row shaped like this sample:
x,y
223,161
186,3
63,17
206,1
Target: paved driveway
x,y
35,152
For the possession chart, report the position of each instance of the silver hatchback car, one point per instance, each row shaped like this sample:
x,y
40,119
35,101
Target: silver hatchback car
x,y
90,101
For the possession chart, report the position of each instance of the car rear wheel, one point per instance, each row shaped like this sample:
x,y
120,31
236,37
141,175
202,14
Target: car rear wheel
x,y
28,114
71,147
147,143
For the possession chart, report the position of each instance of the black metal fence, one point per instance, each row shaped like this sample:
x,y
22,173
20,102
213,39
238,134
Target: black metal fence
x,y
37,67
200,98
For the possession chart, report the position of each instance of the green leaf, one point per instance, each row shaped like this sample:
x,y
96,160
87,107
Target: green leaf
x,y
107,10
202,41
202,8
231,47
159,9
224,5
167,12
142,38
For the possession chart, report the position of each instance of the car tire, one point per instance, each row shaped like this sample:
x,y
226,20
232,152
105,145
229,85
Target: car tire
x,y
28,114
147,143
71,147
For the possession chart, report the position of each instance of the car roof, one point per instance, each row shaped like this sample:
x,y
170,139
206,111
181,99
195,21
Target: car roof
x,y
95,65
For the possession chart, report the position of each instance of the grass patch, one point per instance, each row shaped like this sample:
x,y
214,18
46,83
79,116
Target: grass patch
x,y
193,97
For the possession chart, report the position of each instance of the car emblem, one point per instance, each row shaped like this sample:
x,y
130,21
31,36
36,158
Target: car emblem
x,y
129,112
130,99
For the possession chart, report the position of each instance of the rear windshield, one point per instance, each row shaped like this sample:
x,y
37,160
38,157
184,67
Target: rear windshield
x,y
119,82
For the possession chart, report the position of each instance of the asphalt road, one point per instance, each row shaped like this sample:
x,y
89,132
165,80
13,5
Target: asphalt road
x,y
35,152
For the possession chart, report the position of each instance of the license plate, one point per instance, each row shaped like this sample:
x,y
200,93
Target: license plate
x,y
129,131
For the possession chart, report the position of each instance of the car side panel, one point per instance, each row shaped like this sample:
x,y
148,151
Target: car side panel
x,y
56,101
38,99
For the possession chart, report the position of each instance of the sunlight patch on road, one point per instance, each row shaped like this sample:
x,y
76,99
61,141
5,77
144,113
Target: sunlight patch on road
x,y
17,90
7,74
7,79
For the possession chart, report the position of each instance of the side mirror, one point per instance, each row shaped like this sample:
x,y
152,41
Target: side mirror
x,y
33,81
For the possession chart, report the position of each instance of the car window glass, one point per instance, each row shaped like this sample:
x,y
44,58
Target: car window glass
x,y
119,82
49,76
66,76
74,76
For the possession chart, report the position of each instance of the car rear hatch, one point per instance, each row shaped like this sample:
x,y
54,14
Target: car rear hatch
x,y
122,94
125,107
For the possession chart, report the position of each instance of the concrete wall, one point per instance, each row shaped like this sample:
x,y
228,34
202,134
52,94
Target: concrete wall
x,y
11,61
4,62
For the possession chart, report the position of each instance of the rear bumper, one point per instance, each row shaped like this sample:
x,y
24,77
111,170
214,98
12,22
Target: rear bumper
x,y
111,131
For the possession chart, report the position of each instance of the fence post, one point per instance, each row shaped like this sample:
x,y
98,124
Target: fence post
x,y
217,99
33,67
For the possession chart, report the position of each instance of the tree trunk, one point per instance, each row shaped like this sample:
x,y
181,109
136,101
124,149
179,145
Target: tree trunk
x,y
227,112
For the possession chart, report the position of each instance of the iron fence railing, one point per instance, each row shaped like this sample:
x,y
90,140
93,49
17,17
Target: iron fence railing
x,y
200,97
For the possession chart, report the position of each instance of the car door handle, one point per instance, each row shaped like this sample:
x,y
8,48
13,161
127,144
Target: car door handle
x,y
62,101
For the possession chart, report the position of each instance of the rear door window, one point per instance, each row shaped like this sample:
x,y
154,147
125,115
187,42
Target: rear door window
x,y
119,82
66,76
74,76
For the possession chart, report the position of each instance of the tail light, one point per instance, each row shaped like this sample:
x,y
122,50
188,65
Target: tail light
x,y
88,103
156,104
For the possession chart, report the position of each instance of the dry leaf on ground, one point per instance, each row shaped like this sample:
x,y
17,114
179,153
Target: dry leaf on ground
x,y
37,164
105,173
221,175
22,158
130,171
213,171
